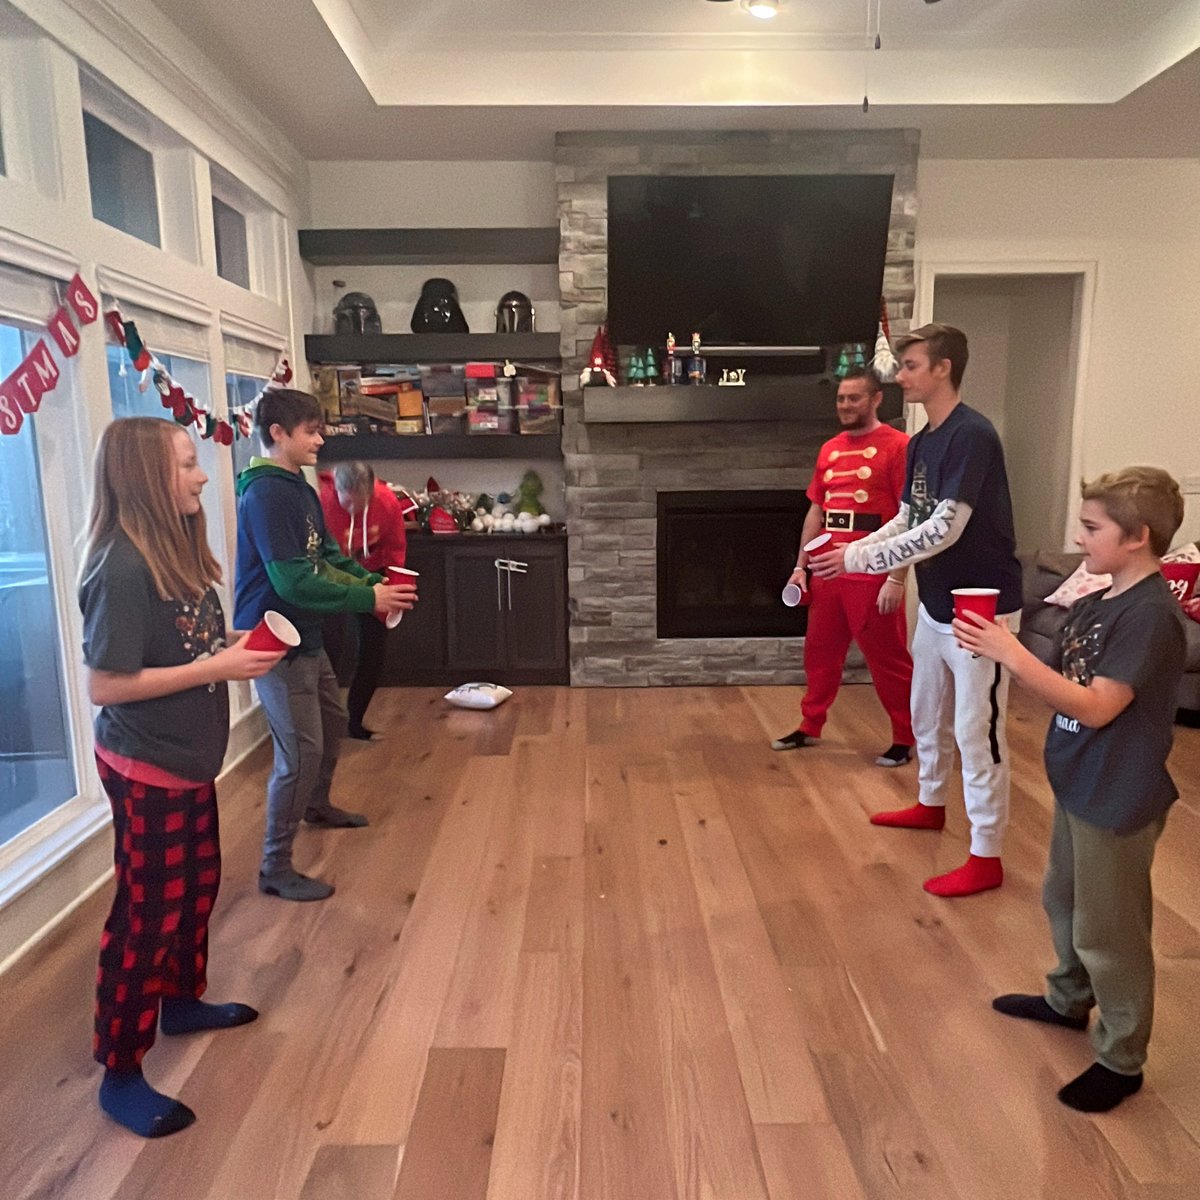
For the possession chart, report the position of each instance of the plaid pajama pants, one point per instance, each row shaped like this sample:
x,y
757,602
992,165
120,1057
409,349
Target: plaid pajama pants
x,y
155,941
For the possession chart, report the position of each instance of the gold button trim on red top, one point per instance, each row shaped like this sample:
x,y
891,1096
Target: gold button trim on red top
x,y
861,473
866,452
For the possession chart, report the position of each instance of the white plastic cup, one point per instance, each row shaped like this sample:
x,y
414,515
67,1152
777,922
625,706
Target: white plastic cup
x,y
792,595
394,619
820,540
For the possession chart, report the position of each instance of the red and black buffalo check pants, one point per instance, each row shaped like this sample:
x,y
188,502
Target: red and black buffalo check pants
x,y
155,941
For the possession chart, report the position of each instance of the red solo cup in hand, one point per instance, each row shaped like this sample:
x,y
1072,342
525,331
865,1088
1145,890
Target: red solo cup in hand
x,y
398,575
820,540
975,600
273,632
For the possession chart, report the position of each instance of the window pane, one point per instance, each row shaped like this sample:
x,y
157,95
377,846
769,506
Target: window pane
x,y
240,390
192,376
233,258
121,176
36,769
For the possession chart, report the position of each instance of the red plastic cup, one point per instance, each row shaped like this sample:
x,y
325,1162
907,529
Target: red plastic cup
x,y
273,632
976,600
792,595
398,574
820,540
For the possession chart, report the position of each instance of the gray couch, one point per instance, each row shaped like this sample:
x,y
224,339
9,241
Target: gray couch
x,y
1042,573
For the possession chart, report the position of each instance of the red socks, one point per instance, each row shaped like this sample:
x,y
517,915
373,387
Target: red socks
x,y
975,875
920,816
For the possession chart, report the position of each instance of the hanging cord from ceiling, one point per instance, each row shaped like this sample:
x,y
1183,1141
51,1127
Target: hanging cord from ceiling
x,y
874,18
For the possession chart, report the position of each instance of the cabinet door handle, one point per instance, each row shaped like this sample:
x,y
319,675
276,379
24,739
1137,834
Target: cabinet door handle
x,y
501,564
520,567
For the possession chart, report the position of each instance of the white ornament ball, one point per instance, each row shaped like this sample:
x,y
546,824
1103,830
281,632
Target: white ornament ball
x,y
477,525
544,520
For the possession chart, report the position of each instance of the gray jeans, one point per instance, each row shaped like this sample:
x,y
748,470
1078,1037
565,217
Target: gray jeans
x,y
307,719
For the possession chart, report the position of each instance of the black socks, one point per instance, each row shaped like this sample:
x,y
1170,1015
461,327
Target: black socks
x,y
132,1102
1035,1008
183,1014
1098,1089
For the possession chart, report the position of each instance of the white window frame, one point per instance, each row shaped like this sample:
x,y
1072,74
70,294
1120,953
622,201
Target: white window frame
x,y
263,241
26,858
175,185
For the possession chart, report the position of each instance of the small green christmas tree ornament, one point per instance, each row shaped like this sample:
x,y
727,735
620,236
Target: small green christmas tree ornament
x,y
637,371
860,358
843,363
651,366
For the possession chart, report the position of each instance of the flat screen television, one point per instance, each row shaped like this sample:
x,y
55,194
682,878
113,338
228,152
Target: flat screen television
x,y
777,260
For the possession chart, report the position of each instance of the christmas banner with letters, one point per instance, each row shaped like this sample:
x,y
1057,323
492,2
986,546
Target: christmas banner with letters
x,y
21,394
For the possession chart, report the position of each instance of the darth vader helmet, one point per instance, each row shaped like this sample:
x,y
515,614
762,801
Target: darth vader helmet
x,y
514,313
355,312
437,309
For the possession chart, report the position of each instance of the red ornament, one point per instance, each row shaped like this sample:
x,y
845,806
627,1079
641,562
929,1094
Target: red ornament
x,y
440,521
603,354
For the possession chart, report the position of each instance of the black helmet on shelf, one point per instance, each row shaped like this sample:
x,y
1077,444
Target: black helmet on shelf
x,y
514,313
355,312
437,309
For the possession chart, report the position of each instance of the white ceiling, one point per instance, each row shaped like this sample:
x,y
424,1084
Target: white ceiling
x,y
494,79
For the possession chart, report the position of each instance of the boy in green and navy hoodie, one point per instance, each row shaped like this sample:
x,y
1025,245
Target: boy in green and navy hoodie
x,y
287,562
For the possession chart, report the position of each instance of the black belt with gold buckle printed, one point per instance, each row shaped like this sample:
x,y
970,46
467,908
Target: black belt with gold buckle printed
x,y
845,520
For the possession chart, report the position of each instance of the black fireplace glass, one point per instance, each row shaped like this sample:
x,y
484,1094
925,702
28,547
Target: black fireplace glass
x,y
723,558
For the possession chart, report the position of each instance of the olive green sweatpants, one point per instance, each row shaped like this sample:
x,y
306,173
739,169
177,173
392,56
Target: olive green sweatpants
x,y
1097,896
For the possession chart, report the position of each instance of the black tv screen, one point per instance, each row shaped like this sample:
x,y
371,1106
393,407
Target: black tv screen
x,y
778,260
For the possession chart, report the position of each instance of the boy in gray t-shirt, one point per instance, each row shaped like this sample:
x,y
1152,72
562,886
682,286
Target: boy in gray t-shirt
x,y
1122,656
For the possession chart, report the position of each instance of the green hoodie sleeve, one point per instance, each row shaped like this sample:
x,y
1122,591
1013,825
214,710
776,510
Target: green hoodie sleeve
x,y
332,554
327,590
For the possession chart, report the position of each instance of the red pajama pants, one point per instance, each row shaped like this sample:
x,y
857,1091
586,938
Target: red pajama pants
x,y
844,610
155,941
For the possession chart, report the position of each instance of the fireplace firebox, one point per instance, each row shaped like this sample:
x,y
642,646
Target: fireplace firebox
x,y
723,559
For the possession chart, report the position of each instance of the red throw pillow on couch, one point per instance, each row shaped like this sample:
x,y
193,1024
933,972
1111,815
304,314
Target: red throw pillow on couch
x,y
1181,579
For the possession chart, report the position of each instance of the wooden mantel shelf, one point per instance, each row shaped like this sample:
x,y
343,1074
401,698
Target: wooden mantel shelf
x,y
809,400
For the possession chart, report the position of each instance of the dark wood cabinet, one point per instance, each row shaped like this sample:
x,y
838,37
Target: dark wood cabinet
x,y
491,607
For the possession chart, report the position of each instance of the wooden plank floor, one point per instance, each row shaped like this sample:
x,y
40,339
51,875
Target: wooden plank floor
x,y
606,945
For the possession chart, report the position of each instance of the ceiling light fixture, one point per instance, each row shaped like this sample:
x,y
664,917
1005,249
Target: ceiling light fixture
x,y
765,10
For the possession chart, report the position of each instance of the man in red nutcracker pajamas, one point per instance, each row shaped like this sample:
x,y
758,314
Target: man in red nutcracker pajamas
x,y
855,489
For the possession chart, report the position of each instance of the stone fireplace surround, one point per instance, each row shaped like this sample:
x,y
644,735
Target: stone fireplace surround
x,y
615,471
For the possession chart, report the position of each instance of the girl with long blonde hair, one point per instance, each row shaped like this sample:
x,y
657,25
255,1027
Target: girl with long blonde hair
x,y
158,666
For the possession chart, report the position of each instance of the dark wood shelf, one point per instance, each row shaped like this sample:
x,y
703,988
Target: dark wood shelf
x,y
430,347
429,247
344,447
808,399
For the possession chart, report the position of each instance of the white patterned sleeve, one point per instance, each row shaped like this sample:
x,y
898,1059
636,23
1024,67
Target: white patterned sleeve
x,y
877,555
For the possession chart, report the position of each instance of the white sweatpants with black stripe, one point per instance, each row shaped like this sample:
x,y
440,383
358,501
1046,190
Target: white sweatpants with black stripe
x,y
957,698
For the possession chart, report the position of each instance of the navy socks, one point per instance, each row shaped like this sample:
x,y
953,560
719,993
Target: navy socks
x,y
1035,1008
1099,1090
132,1102
183,1014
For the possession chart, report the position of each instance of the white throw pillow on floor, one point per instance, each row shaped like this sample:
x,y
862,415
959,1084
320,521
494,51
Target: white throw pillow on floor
x,y
478,695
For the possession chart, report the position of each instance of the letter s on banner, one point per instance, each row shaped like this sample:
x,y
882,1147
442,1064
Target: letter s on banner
x,y
11,416
81,300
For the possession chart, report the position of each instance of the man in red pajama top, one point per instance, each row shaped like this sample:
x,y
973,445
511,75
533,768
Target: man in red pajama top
x,y
855,489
